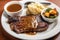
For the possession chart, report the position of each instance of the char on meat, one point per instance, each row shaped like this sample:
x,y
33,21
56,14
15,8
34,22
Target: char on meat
x,y
26,24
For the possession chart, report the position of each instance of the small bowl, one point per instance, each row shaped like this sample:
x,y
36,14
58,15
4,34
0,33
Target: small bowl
x,y
48,19
13,13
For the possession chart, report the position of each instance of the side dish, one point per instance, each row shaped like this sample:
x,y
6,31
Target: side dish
x,y
35,8
50,13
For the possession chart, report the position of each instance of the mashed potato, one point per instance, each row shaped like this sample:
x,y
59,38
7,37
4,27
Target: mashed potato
x,y
35,8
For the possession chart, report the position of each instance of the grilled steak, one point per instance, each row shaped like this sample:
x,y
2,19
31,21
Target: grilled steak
x,y
26,24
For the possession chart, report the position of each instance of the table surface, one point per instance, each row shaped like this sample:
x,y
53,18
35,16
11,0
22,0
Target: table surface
x,y
5,36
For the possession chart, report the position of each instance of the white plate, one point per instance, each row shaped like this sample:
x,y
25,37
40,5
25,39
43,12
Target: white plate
x,y
52,30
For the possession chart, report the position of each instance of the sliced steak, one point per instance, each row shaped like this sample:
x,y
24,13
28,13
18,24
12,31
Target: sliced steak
x,y
42,26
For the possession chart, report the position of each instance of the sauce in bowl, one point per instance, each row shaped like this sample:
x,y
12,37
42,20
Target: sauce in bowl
x,y
14,8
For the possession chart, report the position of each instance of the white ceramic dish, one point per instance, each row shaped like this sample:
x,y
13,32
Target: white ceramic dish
x,y
48,19
13,13
53,29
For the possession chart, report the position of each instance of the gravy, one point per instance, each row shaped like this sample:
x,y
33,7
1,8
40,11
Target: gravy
x,y
14,8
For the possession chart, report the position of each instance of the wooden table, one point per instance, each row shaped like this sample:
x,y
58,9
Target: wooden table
x,y
5,36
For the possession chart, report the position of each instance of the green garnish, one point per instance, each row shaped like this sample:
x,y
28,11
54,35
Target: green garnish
x,y
52,16
48,9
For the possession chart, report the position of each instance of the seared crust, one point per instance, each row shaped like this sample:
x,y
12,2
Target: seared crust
x,y
22,26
